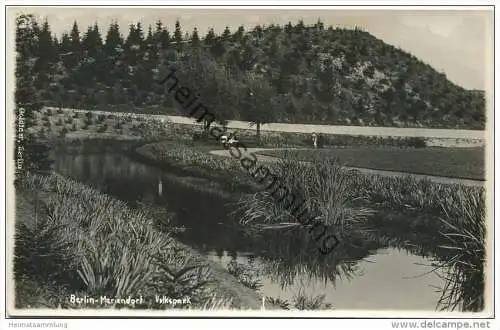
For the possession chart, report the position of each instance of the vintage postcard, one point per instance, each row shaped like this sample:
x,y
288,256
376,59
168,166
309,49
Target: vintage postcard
x,y
250,161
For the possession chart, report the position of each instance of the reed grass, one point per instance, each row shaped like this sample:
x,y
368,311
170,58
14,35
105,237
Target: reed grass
x,y
87,242
453,216
463,245
302,301
324,188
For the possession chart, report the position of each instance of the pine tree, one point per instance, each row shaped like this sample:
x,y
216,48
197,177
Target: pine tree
x,y
319,25
134,45
151,46
238,35
114,41
92,42
300,27
56,44
149,37
178,34
140,35
210,38
46,50
158,30
195,39
162,36
226,35
76,48
97,39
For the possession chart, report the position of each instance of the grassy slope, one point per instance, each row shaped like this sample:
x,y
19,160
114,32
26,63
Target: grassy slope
x,y
450,162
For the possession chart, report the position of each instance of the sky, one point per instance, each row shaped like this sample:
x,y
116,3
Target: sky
x,y
458,43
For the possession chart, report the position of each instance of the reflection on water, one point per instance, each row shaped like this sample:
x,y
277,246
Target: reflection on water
x,y
362,275
388,280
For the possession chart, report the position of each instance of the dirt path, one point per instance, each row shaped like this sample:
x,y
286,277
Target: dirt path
x,y
429,133
437,179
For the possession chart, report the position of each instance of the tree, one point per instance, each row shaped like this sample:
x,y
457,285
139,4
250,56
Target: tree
x,y
134,45
114,41
135,38
161,36
238,35
64,44
226,35
210,37
258,104
76,47
319,25
92,42
178,34
195,39
34,154
46,51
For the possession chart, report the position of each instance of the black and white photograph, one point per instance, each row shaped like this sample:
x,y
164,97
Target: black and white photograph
x,y
288,161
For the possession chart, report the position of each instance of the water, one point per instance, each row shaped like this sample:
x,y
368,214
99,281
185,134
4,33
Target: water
x,y
364,276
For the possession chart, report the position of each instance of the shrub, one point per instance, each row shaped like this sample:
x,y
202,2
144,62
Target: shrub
x,y
63,132
416,142
103,128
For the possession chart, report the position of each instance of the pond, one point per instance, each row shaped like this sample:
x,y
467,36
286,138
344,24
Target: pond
x,y
364,275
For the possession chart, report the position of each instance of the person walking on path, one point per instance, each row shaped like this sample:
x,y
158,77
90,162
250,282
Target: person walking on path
x,y
315,140
160,186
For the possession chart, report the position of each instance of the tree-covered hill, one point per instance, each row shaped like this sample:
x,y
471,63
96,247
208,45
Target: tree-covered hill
x,y
293,73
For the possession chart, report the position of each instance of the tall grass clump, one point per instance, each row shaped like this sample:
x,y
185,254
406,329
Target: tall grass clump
x,y
324,188
462,253
302,301
90,243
